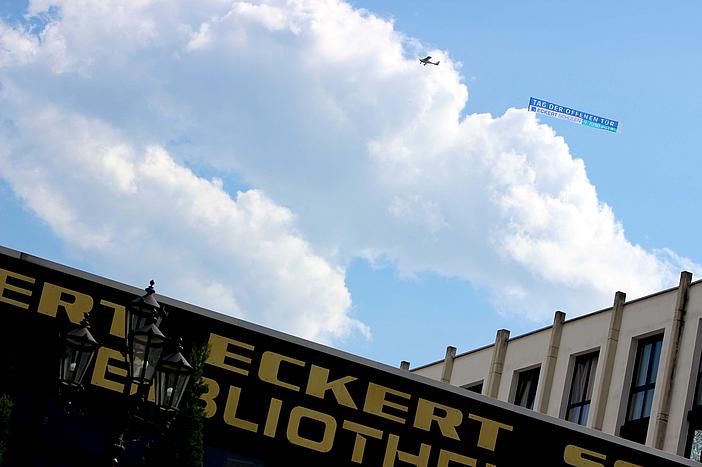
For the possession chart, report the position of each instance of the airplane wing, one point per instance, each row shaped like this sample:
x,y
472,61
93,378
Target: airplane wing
x,y
428,57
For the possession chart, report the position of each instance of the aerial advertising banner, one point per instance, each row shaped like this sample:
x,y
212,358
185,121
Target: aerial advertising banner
x,y
543,107
274,399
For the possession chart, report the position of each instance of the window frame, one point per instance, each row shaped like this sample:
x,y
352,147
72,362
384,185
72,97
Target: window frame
x,y
636,420
694,416
476,387
534,373
592,359
649,385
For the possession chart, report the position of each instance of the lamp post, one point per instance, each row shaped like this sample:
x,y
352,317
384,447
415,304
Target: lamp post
x,y
78,351
144,347
172,377
143,311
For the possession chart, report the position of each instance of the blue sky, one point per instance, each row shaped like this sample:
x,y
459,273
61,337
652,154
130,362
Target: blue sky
x,y
295,165
633,61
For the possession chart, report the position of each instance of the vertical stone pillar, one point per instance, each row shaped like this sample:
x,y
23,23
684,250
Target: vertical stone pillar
x,y
492,386
603,375
546,380
448,364
669,359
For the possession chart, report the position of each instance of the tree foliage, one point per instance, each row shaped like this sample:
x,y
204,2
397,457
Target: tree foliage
x,y
182,444
5,413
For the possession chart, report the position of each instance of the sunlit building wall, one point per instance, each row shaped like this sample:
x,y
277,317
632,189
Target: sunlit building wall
x,y
632,370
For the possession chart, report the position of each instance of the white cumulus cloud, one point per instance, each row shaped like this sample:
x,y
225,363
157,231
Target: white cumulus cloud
x,y
350,147
138,209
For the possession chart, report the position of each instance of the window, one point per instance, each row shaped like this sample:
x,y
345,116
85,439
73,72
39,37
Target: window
x,y
474,387
526,388
694,450
643,384
698,387
694,436
581,388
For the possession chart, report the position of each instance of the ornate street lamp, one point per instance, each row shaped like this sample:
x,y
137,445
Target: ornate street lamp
x,y
145,344
143,311
145,348
79,349
172,377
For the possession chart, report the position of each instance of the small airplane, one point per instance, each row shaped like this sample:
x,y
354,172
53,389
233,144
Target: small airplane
x,y
427,61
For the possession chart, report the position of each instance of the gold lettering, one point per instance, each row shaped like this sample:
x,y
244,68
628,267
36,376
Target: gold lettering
x,y
103,368
4,274
327,441
426,413
447,456
270,365
489,429
119,316
573,455
625,464
318,384
219,351
230,409
209,397
420,460
375,402
359,444
271,425
54,296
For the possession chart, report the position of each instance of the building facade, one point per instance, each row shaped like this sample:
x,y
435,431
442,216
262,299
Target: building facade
x,y
271,400
632,370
